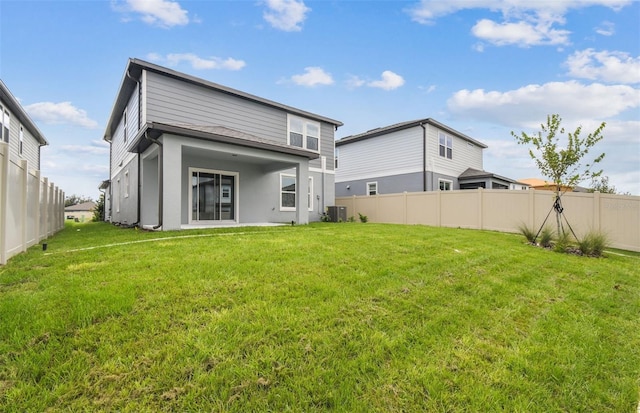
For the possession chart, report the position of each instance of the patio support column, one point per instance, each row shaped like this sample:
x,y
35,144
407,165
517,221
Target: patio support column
x,y
171,183
302,191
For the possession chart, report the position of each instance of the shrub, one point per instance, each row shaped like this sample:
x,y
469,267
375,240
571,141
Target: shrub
x,y
363,218
593,244
546,236
528,233
563,242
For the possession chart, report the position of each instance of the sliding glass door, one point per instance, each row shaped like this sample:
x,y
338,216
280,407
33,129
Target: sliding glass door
x,y
213,195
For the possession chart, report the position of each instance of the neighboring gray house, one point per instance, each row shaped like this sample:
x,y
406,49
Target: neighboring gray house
x,y
473,178
414,156
18,131
189,152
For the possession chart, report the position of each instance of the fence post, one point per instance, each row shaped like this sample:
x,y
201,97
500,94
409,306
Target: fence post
x,y
4,189
596,211
532,208
36,202
24,189
52,211
480,208
404,210
44,231
438,208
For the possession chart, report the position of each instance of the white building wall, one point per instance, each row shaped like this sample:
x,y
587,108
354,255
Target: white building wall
x,y
465,154
391,154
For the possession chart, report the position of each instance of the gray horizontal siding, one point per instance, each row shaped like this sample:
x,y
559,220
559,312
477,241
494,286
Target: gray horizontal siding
x,y
465,154
170,100
394,184
396,153
400,153
30,147
119,152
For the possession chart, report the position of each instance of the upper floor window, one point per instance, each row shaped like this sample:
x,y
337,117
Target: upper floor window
x,y
446,146
6,126
303,133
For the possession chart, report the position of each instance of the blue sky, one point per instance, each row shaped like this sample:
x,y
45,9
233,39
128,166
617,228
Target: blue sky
x,y
483,67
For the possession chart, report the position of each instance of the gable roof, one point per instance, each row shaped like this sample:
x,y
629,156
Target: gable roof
x,y
136,66
16,108
406,125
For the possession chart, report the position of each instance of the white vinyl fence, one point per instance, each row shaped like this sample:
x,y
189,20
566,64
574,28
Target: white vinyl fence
x,y
31,208
616,216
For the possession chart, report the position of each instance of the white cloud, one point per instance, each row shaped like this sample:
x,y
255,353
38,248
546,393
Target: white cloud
x,y
354,82
605,66
389,81
286,15
606,29
529,106
94,149
162,13
427,11
313,76
520,33
196,62
95,170
525,23
63,112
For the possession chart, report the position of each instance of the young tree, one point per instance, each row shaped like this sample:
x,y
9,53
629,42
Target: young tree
x,y
98,212
602,185
563,166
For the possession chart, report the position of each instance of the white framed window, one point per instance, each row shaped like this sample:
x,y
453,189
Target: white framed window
x,y
21,144
445,185
372,188
303,133
288,193
6,126
126,184
445,146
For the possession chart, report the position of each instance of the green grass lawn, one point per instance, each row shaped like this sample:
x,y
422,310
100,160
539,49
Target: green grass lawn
x,y
346,317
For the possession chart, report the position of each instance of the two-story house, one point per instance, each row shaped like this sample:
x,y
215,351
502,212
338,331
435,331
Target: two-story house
x,y
18,131
189,152
415,156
